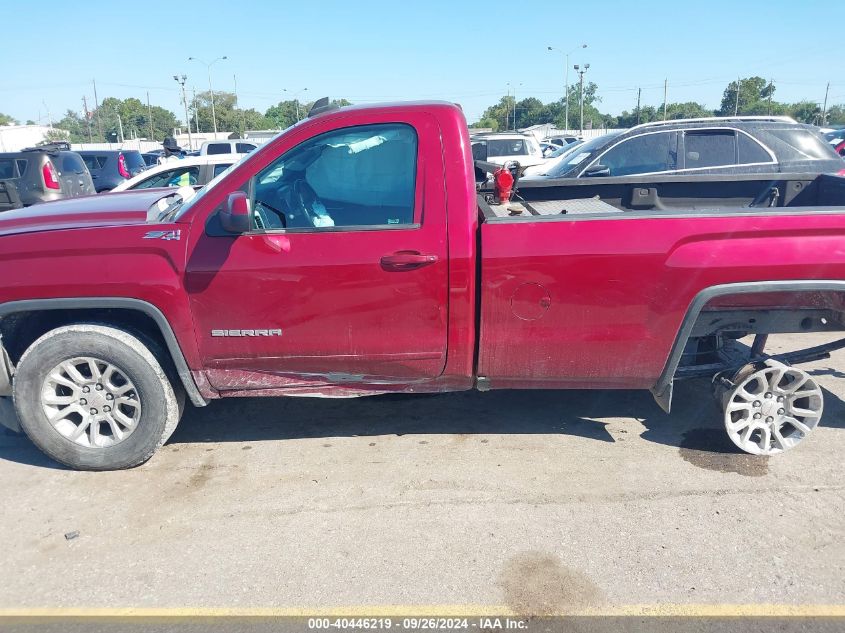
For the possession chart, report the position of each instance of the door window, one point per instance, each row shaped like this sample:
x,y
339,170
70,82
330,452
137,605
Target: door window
x,y
353,177
244,148
712,148
177,177
94,162
642,154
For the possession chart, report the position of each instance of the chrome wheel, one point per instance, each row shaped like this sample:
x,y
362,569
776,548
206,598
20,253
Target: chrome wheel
x,y
90,402
771,410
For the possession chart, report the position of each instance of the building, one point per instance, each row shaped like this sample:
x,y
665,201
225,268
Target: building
x,y
14,138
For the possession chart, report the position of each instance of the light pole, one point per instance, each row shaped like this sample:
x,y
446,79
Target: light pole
x,y
515,86
181,81
295,99
581,72
566,95
208,66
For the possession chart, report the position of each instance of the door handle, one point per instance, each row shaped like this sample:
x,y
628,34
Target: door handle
x,y
406,260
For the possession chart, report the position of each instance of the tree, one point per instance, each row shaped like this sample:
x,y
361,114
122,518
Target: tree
x,y
230,118
5,119
805,112
284,114
134,120
754,97
835,115
76,128
55,135
528,112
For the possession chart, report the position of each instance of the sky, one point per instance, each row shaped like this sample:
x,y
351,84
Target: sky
x,y
471,53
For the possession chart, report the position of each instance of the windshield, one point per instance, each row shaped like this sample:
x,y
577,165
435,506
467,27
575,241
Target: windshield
x,y
580,153
565,150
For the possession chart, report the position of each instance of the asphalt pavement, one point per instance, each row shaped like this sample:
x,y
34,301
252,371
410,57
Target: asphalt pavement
x,y
525,502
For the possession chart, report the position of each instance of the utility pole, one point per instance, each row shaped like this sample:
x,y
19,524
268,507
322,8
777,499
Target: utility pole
x,y
97,110
150,111
196,112
515,86
566,86
87,118
243,112
736,103
771,90
824,108
581,72
639,94
49,118
181,81
665,97
120,126
210,89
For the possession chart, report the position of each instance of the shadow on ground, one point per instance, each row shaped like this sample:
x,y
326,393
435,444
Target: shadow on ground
x,y
694,426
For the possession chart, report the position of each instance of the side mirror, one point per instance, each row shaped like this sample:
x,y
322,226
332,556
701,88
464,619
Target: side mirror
x,y
235,216
597,170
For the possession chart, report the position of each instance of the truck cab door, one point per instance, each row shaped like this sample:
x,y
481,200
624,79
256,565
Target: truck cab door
x,y
342,277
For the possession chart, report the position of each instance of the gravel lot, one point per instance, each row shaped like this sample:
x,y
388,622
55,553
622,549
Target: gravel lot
x,y
528,501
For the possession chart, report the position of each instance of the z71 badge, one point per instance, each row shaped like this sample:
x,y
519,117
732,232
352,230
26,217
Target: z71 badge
x,y
246,332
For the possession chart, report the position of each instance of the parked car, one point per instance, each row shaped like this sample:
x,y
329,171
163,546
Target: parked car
x,y
730,145
109,168
562,140
151,158
237,146
42,174
501,147
353,257
552,160
195,171
834,137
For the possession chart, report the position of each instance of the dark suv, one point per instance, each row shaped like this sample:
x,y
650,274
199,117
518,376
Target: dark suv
x,y
42,174
731,145
109,168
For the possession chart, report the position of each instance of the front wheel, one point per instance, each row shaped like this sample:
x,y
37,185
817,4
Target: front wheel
x,y
94,397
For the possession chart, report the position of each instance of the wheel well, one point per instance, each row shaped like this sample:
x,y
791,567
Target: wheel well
x,y
21,322
765,307
21,329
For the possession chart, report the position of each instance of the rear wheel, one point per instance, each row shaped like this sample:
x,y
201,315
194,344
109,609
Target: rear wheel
x,y
771,408
94,397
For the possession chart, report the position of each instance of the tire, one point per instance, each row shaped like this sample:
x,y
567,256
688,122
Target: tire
x,y
155,417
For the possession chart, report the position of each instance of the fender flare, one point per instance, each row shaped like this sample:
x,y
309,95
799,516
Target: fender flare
x,y
662,390
126,303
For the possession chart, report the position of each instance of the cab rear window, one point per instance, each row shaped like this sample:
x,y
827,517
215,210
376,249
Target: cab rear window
x,y
219,148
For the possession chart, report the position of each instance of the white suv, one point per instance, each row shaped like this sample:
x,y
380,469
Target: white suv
x,y
499,148
237,146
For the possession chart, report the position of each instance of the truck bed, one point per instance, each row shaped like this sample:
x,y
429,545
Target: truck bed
x,y
595,289
651,195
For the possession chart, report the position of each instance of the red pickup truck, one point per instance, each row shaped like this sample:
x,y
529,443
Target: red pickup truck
x,y
354,255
